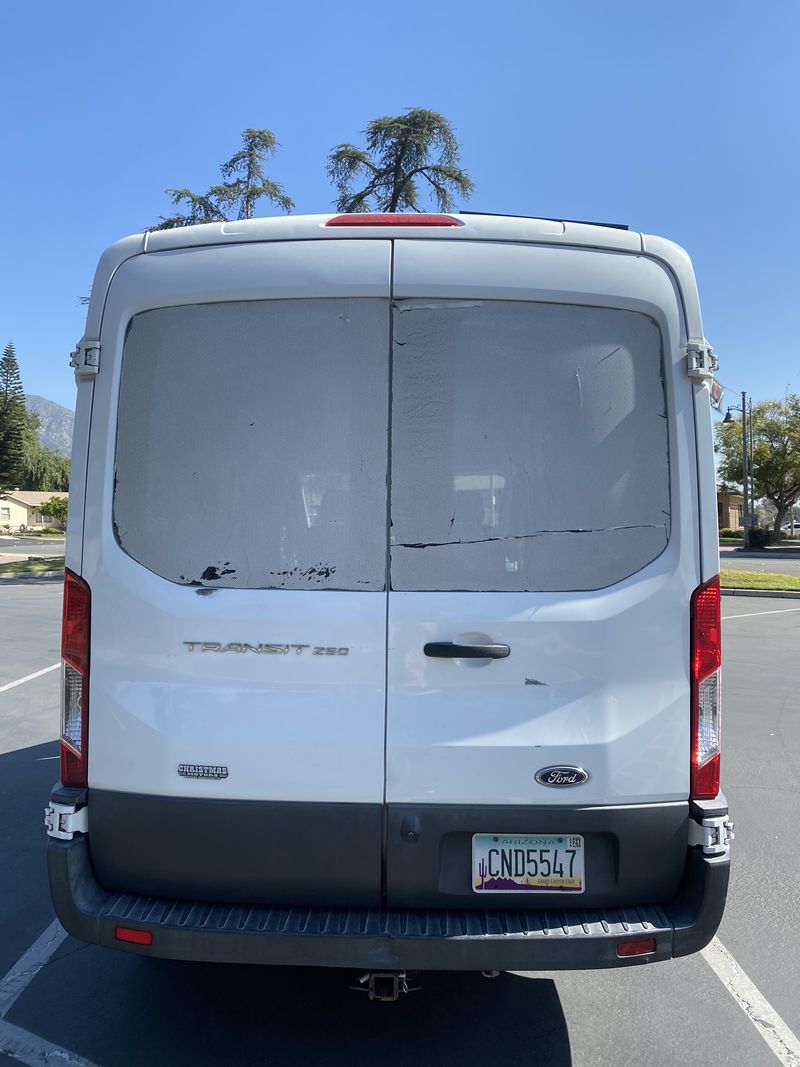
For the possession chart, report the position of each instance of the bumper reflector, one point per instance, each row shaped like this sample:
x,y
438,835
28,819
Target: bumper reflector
x,y
136,937
641,947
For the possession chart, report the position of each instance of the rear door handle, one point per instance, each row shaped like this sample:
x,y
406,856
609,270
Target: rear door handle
x,y
448,650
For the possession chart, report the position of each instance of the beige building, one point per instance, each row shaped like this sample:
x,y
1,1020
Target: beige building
x,y
729,511
20,508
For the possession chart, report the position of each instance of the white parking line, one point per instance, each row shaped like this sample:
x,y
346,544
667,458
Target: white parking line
x,y
29,677
750,614
783,1041
15,1042
29,964
28,1048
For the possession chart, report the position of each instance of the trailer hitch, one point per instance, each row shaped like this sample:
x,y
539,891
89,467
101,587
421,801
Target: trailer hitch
x,y
386,986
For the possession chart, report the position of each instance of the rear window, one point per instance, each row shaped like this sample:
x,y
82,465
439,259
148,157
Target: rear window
x,y
529,446
251,443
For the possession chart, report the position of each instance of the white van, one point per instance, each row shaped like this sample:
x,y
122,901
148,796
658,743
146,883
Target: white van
x,y
391,625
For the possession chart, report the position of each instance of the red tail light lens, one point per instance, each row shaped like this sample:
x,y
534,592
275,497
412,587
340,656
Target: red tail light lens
x,y
395,218
74,680
706,658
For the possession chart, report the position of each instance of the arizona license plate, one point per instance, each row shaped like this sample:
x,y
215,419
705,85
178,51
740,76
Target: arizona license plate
x,y
527,863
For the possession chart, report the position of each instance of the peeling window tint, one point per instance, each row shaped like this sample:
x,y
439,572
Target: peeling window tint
x,y
529,446
252,444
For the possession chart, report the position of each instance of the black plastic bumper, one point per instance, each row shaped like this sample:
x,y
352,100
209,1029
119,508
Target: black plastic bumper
x,y
387,938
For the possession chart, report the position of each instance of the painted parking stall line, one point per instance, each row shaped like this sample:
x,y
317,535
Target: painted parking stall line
x,y
19,1044
29,964
25,1047
783,1041
29,677
752,614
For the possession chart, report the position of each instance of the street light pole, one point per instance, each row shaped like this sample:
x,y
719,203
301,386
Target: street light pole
x,y
747,517
751,463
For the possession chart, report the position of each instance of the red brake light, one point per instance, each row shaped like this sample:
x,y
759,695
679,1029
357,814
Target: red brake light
x,y
75,622
706,630
395,218
705,779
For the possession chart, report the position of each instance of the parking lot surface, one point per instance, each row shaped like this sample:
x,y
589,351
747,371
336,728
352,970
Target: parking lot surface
x,y
86,1004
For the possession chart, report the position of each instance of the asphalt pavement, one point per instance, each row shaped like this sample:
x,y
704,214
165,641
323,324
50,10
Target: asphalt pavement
x,y
767,564
12,548
115,1009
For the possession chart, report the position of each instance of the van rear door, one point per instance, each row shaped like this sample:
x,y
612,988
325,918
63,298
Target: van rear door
x,y
544,508
235,548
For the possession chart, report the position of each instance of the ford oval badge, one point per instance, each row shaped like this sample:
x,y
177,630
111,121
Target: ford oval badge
x,y
561,777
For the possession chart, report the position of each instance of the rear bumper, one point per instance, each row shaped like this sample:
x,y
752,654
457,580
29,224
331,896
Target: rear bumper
x,y
387,938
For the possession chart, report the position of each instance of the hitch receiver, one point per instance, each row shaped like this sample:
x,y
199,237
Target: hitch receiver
x,y
384,986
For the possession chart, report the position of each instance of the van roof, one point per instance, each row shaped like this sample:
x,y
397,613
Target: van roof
x,y
463,227
468,226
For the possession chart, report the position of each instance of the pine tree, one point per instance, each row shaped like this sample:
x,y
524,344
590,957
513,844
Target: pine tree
x,y
399,152
12,419
235,198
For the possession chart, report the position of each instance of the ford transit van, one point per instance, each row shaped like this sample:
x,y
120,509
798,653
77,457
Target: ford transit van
x,y
391,614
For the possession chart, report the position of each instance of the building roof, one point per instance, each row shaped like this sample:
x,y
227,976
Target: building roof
x,y
31,500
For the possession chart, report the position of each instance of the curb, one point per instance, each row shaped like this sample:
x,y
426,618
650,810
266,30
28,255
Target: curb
x,y
780,594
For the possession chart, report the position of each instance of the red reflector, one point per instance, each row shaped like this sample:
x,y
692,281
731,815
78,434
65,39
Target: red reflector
x,y
706,630
396,218
136,937
636,948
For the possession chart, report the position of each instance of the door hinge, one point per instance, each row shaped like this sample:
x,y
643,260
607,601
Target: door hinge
x,y
85,360
714,834
64,820
700,360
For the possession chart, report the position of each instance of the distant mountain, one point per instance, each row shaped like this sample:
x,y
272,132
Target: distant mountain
x,y
55,431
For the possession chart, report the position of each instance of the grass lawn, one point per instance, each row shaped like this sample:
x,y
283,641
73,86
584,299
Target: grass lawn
x,y
32,566
736,579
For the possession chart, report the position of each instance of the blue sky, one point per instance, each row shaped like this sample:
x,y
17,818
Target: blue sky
x,y
678,117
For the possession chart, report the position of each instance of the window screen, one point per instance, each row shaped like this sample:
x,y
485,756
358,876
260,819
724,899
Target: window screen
x,y
529,446
252,443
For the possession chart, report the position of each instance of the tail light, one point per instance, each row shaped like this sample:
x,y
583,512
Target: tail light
x,y
74,679
706,657
394,218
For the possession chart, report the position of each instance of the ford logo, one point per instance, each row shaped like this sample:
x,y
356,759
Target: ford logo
x,y
561,776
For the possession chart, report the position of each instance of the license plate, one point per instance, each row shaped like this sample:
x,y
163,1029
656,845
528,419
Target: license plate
x,y
527,863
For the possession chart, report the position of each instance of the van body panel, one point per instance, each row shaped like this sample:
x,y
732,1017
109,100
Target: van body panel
x,y
597,679
283,689
77,483
708,519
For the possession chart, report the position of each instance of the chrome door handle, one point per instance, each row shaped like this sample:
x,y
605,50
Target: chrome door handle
x,y
448,650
